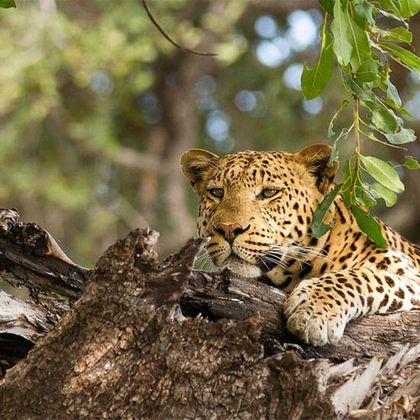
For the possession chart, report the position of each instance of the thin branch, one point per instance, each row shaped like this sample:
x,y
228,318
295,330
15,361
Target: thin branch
x,y
162,31
373,138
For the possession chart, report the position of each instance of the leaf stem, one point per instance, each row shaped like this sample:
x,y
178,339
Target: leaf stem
x,y
356,120
356,124
373,138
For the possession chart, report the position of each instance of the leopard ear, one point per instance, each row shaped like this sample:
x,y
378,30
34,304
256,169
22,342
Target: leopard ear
x,y
316,158
195,163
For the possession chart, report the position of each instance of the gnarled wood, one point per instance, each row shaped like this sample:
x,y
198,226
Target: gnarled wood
x,y
125,349
227,295
40,283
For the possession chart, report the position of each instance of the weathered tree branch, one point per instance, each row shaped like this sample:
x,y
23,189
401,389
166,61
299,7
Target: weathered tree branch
x,y
226,295
43,283
29,246
54,283
125,349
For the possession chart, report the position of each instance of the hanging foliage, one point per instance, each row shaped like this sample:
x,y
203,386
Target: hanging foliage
x,y
363,52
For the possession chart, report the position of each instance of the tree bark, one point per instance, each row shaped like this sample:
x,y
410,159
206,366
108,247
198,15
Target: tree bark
x,y
41,281
163,341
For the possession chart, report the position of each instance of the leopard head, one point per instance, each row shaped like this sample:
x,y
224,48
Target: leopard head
x,y
256,208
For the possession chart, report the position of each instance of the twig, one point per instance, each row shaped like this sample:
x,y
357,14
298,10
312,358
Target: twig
x,y
162,31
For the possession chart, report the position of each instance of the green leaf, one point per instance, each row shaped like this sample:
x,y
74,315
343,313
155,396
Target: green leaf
x,y
370,226
340,30
349,175
343,105
391,7
399,109
351,43
405,135
363,195
380,191
7,3
392,93
382,118
355,192
361,198
388,5
401,8
314,80
334,152
411,163
383,172
359,41
407,57
368,71
408,8
364,14
399,34
362,91
328,6
319,228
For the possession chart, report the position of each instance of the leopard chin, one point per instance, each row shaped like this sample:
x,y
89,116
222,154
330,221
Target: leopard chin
x,y
241,267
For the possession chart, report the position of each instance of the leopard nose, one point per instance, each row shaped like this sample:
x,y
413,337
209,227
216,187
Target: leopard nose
x,y
230,231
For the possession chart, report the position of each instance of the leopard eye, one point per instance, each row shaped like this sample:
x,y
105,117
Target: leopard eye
x,y
269,192
216,192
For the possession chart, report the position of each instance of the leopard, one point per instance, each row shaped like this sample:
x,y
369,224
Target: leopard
x,y
256,210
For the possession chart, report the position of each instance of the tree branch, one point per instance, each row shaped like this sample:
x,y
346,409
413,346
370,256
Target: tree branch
x,y
125,349
166,36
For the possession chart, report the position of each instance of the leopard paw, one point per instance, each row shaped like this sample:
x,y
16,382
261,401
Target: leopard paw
x,y
315,319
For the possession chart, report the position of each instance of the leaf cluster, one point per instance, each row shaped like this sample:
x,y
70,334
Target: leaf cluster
x,y
355,42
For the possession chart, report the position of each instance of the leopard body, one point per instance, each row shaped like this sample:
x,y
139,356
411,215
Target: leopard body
x,y
257,208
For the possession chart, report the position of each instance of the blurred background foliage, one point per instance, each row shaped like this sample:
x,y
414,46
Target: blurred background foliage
x,y
96,107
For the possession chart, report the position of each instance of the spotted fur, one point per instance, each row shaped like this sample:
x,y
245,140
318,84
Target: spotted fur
x,y
332,280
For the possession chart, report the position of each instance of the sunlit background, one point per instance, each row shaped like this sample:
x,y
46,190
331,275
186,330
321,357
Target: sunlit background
x,y
96,107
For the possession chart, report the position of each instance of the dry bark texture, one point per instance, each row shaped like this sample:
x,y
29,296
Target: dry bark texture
x,y
126,350
41,281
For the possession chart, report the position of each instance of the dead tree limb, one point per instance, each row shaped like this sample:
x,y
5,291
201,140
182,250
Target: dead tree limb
x,y
226,295
125,349
40,283
30,258
29,246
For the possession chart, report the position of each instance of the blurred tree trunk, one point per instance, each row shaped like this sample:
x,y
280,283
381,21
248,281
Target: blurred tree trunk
x,y
179,127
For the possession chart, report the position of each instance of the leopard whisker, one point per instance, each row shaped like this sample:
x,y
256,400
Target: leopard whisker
x,y
317,254
284,264
265,264
295,251
272,258
294,257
